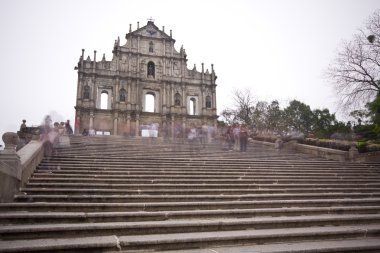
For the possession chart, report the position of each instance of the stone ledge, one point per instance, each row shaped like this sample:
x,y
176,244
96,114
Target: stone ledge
x,y
49,245
328,153
346,245
206,239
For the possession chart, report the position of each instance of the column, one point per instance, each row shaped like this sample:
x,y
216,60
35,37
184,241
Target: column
x,y
77,122
163,98
172,126
129,94
171,95
213,99
137,130
94,93
115,122
184,127
91,126
138,96
94,63
184,99
116,100
202,98
128,124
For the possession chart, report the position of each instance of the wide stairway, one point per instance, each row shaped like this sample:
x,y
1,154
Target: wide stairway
x,y
113,194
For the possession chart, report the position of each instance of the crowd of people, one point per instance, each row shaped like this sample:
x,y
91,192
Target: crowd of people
x,y
232,137
235,137
52,135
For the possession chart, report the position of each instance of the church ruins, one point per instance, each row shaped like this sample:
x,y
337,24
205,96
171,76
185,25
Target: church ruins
x,y
147,82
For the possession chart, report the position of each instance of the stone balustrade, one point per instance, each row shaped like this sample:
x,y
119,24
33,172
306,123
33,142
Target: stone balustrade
x,y
16,167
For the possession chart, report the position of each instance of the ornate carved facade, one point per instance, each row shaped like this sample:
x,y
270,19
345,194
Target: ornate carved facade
x,y
147,81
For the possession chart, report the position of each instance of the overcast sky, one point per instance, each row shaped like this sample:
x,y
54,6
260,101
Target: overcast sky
x,y
279,49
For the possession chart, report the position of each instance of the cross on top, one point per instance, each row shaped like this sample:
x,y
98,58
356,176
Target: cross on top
x,y
151,19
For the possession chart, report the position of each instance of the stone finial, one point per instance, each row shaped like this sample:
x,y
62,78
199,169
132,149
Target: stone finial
x,y
138,25
130,27
279,143
170,33
10,141
163,28
353,152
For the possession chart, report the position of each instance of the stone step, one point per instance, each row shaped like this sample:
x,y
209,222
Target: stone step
x,y
314,239
200,171
211,177
95,244
21,217
188,198
179,166
365,245
178,206
35,231
156,186
239,180
210,161
207,239
117,194
215,191
71,171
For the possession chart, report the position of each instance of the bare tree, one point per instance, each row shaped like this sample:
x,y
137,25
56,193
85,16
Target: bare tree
x,y
356,70
244,102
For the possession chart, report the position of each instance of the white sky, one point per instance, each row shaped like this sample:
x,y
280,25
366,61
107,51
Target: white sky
x,y
279,49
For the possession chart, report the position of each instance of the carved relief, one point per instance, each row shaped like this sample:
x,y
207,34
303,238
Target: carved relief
x,y
176,68
134,64
168,64
123,64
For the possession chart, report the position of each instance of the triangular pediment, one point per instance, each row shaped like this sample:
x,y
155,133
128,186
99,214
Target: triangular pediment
x,y
149,30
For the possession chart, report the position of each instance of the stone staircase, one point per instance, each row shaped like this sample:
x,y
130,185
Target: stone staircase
x,y
112,194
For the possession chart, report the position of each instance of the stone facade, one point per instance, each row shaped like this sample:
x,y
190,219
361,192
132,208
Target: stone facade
x,y
112,96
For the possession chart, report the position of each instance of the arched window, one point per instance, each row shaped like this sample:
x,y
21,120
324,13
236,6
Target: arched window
x,y
104,100
151,69
151,47
208,102
177,99
192,106
149,102
123,95
86,92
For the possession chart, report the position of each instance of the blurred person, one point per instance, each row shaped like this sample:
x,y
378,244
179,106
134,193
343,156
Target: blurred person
x,y
229,138
236,133
243,136
47,136
61,128
69,129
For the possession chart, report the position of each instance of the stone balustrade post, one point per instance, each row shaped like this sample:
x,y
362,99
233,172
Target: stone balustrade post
x,y
279,143
10,168
353,152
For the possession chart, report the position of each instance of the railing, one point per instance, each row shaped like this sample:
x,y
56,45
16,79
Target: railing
x,y
17,167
